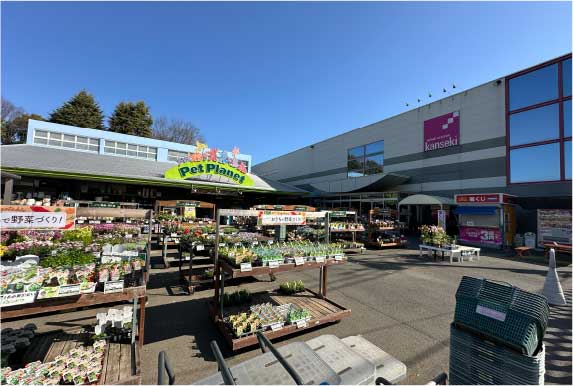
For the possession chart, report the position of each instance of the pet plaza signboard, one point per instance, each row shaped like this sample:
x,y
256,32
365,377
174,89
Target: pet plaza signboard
x,y
442,132
213,162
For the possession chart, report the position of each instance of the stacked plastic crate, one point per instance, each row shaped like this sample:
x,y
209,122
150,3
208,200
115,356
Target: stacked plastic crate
x,y
497,334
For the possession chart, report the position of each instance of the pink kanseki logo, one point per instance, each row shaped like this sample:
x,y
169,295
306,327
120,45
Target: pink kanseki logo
x,y
442,132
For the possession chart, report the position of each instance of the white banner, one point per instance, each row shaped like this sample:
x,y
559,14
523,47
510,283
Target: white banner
x,y
32,220
283,219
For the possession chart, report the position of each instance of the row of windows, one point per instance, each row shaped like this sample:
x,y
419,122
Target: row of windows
x,y
540,137
539,86
130,150
51,138
366,159
540,124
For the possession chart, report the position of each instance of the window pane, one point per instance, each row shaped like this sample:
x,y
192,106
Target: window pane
x,y
109,150
120,145
142,154
357,152
567,155
132,147
94,148
94,141
69,144
376,147
120,152
566,77
56,136
151,156
374,164
82,140
536,163
69,138
41,133
534,125
110,143
534,87
567,118
132,153
82,146
41,141
152,150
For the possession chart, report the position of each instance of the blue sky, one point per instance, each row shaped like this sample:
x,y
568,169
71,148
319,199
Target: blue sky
x,y
269,77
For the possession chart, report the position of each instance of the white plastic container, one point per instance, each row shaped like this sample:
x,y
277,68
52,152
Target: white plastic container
x,y
529,239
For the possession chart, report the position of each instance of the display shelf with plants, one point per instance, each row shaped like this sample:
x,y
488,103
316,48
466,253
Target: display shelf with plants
x,y
291,307
46,271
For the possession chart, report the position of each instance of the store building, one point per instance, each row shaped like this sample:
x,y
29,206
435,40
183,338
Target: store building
x,y
87,164
510,135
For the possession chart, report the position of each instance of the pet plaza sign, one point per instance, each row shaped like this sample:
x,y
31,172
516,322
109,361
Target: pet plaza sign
x,y
205,161
190,170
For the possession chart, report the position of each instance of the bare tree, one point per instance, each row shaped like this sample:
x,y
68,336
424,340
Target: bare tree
x,y
10,111
175,130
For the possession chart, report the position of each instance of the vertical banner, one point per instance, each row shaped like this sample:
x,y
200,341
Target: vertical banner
x,y
36,217
442,219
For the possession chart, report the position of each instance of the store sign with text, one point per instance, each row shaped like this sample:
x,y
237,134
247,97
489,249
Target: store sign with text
x,y
442,132
194,169
282,218
36,217
488,198
481,235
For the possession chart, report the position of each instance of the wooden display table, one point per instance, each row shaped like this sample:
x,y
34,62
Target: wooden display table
x,y
121,365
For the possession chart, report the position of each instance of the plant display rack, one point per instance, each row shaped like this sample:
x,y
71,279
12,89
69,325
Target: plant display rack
x,y
322,309
354,218
122,361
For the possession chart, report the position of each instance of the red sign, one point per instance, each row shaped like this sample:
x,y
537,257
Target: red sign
x,y
480,235
478,198
442,131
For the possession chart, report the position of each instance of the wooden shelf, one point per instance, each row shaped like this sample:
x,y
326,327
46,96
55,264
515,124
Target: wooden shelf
x,y
256,271
70,302
121,364
322,311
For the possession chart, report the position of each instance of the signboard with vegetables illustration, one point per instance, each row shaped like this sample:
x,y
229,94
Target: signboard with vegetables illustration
x,y
36,217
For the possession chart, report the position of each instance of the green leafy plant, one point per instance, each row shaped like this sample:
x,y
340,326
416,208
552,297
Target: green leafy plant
x,y
236,298
83,234
291,287
67,258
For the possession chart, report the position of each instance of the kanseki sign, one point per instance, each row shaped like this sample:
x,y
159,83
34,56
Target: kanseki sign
x,y
442,132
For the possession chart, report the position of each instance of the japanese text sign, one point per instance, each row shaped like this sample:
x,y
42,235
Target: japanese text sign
x,y
36,217
442,131
282,218
481,235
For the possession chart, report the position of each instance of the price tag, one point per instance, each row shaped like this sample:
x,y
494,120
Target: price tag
x,y
319,259
17,298
246,267
255,242
108,221
113,286
299,260
69,290
222,245
276,326
338,257
80,221
270,242
238,245
128,221
300,323
173,234
273,264
200,247
129,236
94,221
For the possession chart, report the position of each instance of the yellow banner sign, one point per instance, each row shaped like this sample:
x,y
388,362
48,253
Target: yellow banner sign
x,y
190,170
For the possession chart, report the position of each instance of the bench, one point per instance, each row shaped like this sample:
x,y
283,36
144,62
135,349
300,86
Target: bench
x,y
564,248
522,251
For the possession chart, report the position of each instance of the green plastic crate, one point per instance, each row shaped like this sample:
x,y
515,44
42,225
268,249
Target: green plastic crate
x,y
505,313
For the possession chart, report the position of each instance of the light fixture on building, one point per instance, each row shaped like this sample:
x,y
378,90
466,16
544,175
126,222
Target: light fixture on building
x,y
453,85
